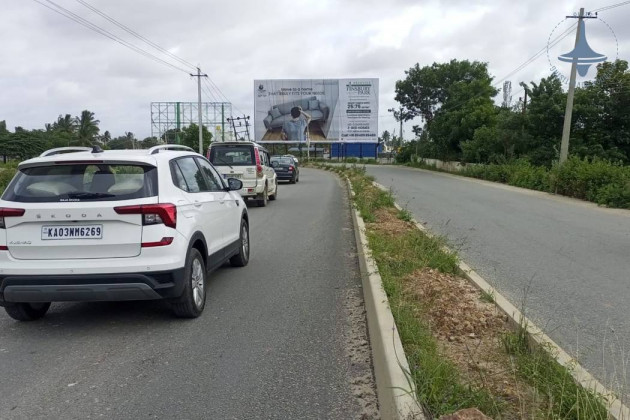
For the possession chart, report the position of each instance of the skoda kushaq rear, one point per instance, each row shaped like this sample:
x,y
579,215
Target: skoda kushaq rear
x,y
75,230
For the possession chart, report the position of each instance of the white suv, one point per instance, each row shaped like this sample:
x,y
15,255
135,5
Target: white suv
x,y
249,162
93,225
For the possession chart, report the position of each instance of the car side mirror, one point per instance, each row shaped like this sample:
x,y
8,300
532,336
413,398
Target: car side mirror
x,y
234,184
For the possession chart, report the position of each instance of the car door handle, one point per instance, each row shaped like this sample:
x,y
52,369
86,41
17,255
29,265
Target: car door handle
x,y
197,203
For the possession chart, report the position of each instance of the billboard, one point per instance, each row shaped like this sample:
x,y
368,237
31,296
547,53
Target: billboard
x,y
339,110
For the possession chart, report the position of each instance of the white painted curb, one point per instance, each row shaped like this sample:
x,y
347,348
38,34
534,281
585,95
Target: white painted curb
x,y
394,387
616,409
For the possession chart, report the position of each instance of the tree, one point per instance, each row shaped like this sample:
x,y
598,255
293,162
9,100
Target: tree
x,y
601,126
190,137
386,138
87,128
149,142
23,144
120,142
131,139
544,121
500,142
106,137
66,124
453,98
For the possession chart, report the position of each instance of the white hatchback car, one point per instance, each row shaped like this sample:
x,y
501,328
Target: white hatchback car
x,y
249,162
93,225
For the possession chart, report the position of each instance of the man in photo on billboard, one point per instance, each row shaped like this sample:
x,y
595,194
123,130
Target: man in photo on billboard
x,y
295,128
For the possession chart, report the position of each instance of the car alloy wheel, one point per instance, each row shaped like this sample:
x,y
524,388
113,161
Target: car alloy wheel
x,y
197,283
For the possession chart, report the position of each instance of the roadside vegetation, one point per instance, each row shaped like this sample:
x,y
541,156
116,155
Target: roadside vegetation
x,y
7,171
461,350
84,130
595,180
517,142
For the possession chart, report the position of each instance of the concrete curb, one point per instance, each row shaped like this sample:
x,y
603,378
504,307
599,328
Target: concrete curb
x,y
394,387
616,409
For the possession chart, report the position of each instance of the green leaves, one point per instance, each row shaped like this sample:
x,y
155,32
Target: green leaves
x,y
453,98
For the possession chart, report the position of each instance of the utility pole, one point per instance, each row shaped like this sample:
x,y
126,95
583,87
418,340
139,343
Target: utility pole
x,y
566,129
525,103
401,123
222,121
199,75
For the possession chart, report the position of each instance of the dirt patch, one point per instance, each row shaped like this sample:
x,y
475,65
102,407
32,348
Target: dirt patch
x,y
467,327
389,223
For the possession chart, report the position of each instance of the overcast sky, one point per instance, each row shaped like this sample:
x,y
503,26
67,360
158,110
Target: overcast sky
x,y
50,65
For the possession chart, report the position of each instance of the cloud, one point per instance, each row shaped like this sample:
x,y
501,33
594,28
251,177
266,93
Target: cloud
x,y
51,65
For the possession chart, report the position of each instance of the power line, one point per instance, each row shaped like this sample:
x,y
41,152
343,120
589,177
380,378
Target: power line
x,y
209,82
612,6
136,34
211,85
78,19
538,54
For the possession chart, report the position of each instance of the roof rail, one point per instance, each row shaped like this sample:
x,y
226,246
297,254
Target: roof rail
x,y
60,150
156,149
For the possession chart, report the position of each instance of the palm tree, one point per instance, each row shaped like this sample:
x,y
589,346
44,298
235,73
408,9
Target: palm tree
x,y
106,137
131,139
65,124
87,128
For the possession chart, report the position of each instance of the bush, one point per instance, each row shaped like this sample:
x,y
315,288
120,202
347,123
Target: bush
x,y
596,180
6,174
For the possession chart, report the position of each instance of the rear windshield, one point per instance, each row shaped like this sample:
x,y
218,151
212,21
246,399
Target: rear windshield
x,y
232,155
82,182
282,160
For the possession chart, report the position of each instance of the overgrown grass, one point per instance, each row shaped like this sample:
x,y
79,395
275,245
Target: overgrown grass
x,y
440,386
405,215
564,398
487,296
438,383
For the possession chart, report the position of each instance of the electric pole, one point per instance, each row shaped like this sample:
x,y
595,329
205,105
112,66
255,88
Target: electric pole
x,y
199,75
566,129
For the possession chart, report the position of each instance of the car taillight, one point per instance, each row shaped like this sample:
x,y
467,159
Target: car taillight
x,y
259,167
162,242
291,168
6,212
152,214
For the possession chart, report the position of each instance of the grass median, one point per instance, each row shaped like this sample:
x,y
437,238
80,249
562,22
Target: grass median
x,y
461,350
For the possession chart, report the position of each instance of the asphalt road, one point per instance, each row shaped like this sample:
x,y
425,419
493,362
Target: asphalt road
x,y
281,338
566,261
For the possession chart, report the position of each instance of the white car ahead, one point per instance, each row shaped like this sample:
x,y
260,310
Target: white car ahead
x,y
82,224
249,162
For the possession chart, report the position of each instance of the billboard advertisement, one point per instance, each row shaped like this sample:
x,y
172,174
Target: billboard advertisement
x,y
316,110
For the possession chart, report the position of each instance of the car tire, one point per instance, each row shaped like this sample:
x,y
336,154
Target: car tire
x,y
298,178
192,301
262,202
242,258
275,193
24,311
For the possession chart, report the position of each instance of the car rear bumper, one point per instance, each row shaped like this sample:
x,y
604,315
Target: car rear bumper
x,y
252,189
92,287
285,175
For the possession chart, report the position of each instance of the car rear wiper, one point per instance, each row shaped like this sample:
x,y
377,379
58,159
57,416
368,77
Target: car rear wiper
x,y
221,160
89,195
